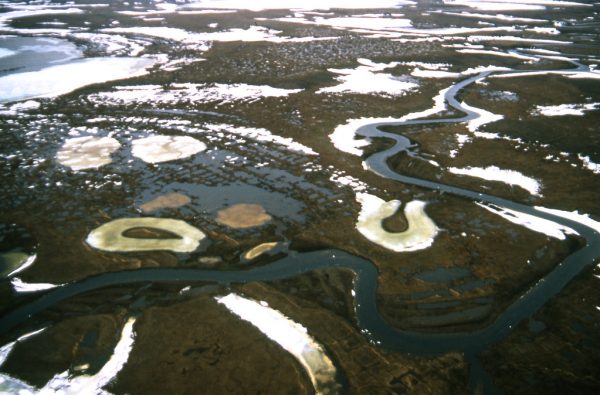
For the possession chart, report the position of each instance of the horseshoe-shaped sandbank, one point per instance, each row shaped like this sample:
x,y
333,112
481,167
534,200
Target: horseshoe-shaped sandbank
x,y
420,232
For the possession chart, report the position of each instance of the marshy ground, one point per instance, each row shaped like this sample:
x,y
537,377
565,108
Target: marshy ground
x,y
225,119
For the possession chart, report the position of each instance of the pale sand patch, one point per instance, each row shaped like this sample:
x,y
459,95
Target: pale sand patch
x,y
157,149
243,215
421,229
81,153
170,200
259,250
109,237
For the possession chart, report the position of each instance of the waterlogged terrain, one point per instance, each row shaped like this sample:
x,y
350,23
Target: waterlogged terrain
x,y
217,196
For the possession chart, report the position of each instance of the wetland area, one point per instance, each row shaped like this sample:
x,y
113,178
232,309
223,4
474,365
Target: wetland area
x,y
300,197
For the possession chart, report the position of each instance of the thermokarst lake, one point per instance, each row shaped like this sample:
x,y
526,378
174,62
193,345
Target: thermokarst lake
x,y
300,197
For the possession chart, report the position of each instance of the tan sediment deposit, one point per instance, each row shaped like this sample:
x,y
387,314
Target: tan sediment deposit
x,y
170,200
110,236
259,250
421,229
243,215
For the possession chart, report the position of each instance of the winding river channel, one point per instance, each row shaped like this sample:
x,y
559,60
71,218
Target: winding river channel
x,y
370,321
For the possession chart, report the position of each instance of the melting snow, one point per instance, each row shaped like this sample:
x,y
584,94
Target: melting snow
x,y
21,286
365,80
263,135
259,5
291,336
66,383
587,162
192,93
87,152
484,117
493,173
199,40
157,149
502,5
540,225
565,109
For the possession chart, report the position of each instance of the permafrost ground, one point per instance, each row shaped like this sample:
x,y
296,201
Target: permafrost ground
x,y
300,197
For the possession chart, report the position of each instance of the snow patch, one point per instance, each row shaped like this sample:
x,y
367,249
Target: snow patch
x,y
483,117
540,225
493,173
366,79
190,93
21,286
263,135
293,337
565,109
260,5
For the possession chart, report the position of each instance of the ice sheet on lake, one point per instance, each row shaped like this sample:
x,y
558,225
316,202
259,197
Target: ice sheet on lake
x,y
540,225
88,152
565,109
61,79
494,173
291,336
5,53
22,11
366,79
157,149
